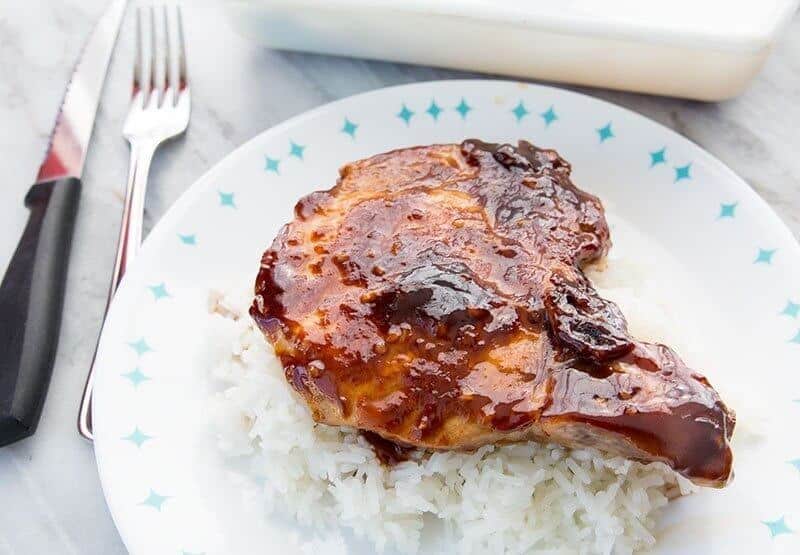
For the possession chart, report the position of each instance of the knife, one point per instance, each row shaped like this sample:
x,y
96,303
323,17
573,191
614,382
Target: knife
x,y
32,290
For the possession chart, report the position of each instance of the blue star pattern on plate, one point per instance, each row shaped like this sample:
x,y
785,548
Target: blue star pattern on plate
x,y
226,199
137,437
405,114
434,110
605,132
520,111
296,150
788,317
349,128
272,164
683,172
136,377
463,109
155,500
777,527
728,210
159,291
658,157
549,116
791,309
764,256
140,346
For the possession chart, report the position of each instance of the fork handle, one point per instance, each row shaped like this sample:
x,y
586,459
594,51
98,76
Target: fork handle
x,y
130,239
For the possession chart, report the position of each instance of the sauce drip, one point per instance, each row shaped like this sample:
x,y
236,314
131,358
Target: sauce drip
x,y
388,452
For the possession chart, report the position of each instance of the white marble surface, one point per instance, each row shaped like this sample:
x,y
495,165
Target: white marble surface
x,y
52,502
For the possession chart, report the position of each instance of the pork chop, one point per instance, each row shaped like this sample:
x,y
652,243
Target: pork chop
x,y
435,297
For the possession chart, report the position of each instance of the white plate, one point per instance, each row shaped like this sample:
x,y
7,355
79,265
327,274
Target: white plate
x,y
168,489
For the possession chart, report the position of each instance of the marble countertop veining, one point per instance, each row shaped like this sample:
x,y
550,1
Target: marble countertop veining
x,y
52,497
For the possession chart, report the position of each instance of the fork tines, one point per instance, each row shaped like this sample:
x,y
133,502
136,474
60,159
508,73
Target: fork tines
x,y
159,75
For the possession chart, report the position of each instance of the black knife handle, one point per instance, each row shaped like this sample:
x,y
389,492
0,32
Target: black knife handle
x,y
31,299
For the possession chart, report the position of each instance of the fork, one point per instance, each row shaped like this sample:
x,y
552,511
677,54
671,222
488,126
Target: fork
x,y
159,110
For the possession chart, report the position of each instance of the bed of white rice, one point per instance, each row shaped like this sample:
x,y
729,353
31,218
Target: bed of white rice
x,y
522,498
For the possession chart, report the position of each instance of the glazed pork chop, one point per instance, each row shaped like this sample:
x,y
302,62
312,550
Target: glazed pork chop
x,y
435,297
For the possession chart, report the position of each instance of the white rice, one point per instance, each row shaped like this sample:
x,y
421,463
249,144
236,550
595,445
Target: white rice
x,y
521,498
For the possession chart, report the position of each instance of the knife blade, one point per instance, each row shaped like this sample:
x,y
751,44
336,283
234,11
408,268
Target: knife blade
x,y
32,290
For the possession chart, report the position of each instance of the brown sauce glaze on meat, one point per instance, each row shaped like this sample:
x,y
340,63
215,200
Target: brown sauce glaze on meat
x,y
435,297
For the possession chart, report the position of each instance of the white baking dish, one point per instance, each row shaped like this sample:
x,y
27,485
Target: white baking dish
x,y
703,49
